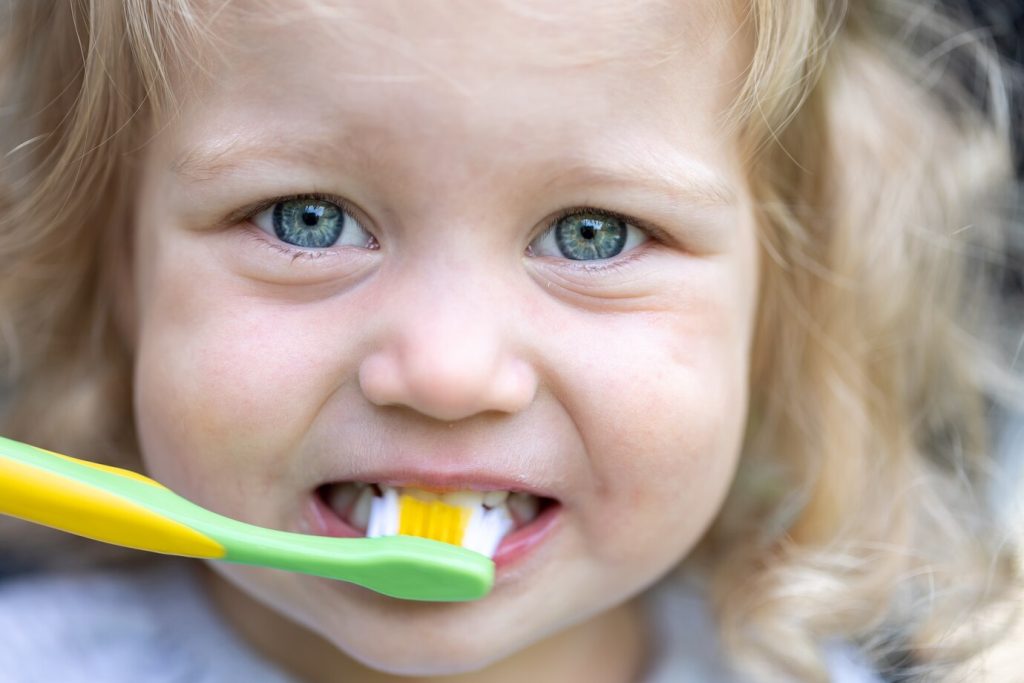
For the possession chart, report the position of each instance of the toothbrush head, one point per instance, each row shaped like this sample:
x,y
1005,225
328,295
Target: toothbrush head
x,y
469,524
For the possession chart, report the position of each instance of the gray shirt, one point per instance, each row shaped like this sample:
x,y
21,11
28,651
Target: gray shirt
x,y
155,626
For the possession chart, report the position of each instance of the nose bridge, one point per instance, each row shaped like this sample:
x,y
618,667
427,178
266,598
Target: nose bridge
x,y
448,349
449,318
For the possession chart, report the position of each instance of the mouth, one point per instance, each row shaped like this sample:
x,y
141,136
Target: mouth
x,y
501,524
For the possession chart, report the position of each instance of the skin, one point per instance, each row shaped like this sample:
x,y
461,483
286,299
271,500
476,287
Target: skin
x,y
456,133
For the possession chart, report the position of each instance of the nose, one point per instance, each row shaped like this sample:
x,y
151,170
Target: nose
x,y
448,351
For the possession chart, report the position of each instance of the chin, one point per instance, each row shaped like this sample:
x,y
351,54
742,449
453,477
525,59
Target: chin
x,y
426,653
421,664
394,636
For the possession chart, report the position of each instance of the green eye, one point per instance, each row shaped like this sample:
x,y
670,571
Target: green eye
x,y
313,224
588,236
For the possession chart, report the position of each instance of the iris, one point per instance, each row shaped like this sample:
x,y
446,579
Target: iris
x,y
586,237
308,222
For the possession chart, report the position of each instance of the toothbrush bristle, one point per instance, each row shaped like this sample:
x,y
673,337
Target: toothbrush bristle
x,y
432,519
474,527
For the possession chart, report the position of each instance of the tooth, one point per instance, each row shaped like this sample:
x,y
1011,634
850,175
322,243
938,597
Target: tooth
x,y
341,498
359,518
466,499
524,507
493,499
420,494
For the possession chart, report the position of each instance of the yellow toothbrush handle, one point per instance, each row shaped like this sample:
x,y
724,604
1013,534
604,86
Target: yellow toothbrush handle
x,y
96,501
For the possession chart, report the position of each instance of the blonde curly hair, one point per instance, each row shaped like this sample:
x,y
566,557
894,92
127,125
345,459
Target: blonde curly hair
x,y
876,136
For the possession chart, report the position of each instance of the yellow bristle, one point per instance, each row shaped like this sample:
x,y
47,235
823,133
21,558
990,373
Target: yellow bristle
x,y
457,526
437,523
410,515
433,519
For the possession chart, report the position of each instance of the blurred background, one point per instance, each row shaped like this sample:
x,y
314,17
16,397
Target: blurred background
x,y
1004,21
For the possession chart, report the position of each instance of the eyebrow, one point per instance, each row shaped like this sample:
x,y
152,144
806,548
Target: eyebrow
x,y
224,155
677,177
682,180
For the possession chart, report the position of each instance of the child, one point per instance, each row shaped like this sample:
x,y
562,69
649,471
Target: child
x,y
691,281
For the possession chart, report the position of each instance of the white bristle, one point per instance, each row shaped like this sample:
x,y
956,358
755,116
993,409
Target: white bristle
x,y
486,529
471,536
384,514
373,528
502,524
392,514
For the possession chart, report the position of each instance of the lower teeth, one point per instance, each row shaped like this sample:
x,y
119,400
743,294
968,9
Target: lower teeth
x,y
360,517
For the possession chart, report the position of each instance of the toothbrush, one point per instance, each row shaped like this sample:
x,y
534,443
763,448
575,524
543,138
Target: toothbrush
x,y
125,508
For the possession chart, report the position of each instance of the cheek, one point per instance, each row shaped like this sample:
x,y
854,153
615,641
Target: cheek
x,y
225,387
663,426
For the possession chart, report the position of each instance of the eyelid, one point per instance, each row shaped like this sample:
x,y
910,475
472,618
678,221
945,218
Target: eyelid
x,y
248,212
652,230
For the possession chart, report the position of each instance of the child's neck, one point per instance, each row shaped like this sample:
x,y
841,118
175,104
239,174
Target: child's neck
x,y
609,648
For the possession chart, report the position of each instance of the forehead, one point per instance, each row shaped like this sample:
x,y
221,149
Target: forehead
x,y
542,33
389,75
470,45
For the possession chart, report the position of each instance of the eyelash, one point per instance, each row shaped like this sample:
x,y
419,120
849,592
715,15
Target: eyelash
x,y
606,265
282,247
598,266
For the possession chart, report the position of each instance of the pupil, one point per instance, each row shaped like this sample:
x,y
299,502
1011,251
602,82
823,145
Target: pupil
x,y
587,232
310,216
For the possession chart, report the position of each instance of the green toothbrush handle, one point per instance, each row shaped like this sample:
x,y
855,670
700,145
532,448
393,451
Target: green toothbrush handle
x,y
126,508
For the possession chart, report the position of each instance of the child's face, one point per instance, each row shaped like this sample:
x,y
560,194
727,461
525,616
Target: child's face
x,y
445,339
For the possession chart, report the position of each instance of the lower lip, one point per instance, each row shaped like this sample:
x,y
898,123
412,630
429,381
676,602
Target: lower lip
x,y
518,544
512,550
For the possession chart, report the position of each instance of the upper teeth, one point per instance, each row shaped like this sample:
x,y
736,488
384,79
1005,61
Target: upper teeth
x,y
461,498
493,499
492,514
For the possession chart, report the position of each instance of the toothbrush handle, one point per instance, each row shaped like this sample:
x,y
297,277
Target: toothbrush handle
x,y
92,500
126,508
